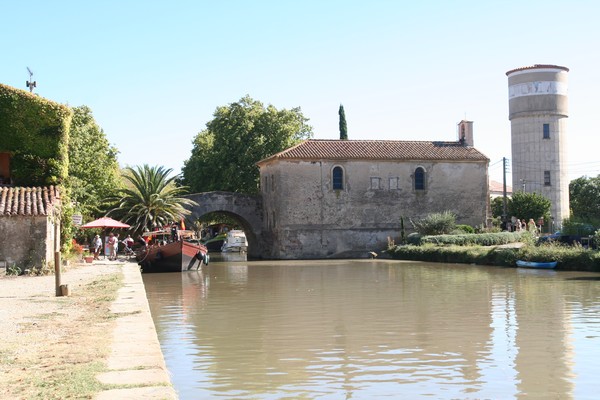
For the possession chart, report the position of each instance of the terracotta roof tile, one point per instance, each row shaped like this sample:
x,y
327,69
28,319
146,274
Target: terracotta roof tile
x,y
496,186
379,150
30,201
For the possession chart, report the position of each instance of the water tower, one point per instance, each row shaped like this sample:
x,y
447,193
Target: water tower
x,y
538,111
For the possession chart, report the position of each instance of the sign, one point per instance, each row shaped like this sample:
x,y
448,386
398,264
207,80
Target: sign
x,y
77,219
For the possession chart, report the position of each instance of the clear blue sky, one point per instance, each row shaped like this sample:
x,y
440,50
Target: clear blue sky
x,y
153,72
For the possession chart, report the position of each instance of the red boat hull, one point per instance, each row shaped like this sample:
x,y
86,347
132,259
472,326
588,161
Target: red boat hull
x,y
172,257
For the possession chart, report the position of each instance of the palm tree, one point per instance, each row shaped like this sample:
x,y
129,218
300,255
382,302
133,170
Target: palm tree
x,y
151,198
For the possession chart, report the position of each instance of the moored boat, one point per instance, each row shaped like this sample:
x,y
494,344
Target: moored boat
x,y
176,256
235,242
536,264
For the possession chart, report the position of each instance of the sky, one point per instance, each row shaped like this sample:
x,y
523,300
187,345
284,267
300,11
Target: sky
x,y
153,72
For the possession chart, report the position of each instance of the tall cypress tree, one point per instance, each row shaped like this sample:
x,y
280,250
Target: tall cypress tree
x,y
343,126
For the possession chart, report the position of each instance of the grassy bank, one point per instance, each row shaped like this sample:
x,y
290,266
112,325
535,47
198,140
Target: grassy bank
x,y
570,258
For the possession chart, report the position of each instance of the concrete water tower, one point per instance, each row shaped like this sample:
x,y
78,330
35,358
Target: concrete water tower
x,y
538,111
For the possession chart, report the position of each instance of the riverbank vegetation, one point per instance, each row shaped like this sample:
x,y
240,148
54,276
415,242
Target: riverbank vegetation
x,y
572,258
490,248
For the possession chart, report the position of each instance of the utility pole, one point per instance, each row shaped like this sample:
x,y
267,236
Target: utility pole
x,y
504,199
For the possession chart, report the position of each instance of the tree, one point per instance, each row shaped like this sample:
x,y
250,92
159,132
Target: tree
x,y
497,205
584,197
225,154
529,205
151,199
93,167
436,224
343,126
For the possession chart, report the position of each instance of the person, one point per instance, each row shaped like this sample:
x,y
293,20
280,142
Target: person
x,y
531,227
128,241
174,233
142,242
112,246
97,245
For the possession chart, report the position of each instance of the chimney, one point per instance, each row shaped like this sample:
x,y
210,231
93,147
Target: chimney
x,y
465,133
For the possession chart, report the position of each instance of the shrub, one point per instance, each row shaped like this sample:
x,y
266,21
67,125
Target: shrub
x,y
436,223
481,239
465,229
414,238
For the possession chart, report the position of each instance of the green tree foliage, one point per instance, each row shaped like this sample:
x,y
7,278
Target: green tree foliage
x,y
497,205
224,155
436,224
93,168
529,205
151,199
584,197
343,125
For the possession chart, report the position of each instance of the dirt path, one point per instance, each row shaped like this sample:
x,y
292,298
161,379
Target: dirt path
x,y
53,347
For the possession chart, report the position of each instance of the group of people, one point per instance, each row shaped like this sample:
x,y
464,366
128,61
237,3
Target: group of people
x,y
112,242
516,225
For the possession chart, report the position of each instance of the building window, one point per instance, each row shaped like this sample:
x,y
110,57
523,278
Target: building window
x,y
338,178
375,183
547,181
546,131
419,179
393,183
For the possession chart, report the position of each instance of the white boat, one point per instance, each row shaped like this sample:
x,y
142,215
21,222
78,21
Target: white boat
x,y
235,242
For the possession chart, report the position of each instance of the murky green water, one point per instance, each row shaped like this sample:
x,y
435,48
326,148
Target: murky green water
x,y
378,329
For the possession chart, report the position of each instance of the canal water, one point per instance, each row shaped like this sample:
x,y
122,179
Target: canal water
x,y
365,329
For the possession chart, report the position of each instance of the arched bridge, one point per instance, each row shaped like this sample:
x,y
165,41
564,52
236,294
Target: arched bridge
x,y
247,209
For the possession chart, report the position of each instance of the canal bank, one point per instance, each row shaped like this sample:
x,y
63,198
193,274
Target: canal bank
x,y
135,358
98,342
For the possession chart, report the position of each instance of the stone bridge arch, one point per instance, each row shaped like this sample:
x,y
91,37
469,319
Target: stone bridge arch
x,y
247,209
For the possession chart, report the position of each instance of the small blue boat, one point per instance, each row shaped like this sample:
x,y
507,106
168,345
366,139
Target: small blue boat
x,y
535,264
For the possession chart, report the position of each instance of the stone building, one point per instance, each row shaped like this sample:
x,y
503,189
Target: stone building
x,y
28,226
344,198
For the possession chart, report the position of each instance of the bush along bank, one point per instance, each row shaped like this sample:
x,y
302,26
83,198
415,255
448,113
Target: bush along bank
x,y
569,258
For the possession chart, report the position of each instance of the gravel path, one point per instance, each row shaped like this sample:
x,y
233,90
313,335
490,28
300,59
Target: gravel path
x,y
23,297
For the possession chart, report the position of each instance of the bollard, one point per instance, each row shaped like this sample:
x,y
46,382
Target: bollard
x,y
65,290
57,273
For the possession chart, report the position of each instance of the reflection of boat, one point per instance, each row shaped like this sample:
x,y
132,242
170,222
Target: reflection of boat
x,y
171,257
235,242
538,265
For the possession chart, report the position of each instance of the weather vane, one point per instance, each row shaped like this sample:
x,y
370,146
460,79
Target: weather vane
x,y
30,83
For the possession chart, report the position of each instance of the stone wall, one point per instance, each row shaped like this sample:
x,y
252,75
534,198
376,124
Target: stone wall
x,y
305,218
26,241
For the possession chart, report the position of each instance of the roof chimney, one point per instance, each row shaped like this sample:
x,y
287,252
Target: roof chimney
x,y
465,133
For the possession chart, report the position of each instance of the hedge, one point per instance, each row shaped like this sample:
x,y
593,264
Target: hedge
x,y
482,239
569,258
35,131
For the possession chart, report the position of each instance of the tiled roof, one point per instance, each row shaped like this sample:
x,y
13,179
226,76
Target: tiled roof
x,y
30,201
496,186
379,150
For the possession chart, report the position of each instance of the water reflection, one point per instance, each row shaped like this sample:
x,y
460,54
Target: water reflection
x,y
375,328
